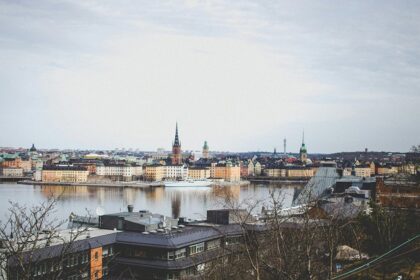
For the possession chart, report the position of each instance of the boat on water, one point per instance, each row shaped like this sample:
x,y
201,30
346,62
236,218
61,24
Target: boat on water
x,y
188,183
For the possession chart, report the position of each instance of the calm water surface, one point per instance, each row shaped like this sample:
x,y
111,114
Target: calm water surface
x,y
188,202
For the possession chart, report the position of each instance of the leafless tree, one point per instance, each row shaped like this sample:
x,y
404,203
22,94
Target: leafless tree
x,y
26,235
299,243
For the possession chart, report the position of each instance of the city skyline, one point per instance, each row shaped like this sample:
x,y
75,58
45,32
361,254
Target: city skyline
x,y
242,75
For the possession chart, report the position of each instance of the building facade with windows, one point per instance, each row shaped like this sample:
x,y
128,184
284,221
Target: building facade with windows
x,y
175,172
88,259
198,173
142,245
228,171
154,172
70,174
11,172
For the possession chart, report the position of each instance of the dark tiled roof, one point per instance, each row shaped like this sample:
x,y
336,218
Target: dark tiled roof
x,y
77,246
174,239
58,167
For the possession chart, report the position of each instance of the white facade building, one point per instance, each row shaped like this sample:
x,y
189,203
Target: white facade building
x,y
119,170
172,172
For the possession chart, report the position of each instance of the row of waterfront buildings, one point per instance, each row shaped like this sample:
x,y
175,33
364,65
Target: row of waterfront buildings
x,y
71,166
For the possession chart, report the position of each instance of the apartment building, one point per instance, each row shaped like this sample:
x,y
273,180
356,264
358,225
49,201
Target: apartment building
x,y
11,172
142,245
299,171
198,173
227,171
175,172
89,260
59,173
154,172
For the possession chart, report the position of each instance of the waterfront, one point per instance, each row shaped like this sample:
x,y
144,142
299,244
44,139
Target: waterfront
x,y
187,202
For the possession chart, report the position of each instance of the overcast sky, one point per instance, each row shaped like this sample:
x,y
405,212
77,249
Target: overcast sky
x,y
242,75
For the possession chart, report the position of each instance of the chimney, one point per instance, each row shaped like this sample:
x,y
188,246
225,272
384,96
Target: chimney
x,y
130,208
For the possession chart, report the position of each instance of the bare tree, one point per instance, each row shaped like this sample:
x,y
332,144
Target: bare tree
x,y
26,237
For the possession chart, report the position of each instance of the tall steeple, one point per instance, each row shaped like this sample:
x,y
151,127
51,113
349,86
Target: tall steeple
x,y
176,148
176,141
303,153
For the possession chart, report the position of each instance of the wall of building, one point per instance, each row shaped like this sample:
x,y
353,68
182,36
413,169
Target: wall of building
x,y
96,263
75,176
154,172
198,173
11,172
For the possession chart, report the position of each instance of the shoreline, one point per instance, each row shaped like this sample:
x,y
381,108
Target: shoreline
x,y
135,184
96,184
270,180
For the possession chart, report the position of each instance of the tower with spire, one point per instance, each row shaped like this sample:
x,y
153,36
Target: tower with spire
x,y
205,150
303,153
176,149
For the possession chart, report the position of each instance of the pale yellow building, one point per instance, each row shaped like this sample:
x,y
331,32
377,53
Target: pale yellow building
x,y
257,168
408,168
227,172
198,173
26,165
68,174
300,172
387,170
11,172
372,168
154,172
275,172
362,171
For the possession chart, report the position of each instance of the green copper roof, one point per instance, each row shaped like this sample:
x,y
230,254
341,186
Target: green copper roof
x,y
205,145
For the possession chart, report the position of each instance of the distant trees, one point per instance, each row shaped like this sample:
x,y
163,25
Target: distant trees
x,y
415,149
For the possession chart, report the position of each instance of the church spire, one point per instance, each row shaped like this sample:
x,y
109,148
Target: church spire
x,y
176,149
303,138
176,142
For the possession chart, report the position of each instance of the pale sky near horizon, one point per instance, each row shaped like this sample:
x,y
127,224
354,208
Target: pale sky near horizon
x,y
242,75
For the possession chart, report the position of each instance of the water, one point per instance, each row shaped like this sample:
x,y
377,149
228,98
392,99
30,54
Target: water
x,y
186,202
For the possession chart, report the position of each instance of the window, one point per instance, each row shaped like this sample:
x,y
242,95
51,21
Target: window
x,y
197,248
105,271
213,244
72,260
105,252
181,253
96,255
172,276
84,258
171,255
233,240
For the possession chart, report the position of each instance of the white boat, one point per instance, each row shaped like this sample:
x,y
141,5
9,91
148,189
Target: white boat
x,y
188,183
